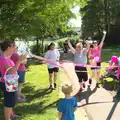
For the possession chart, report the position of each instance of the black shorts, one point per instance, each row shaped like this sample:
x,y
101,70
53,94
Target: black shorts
x,y
51,70
83,75
10,98
98,64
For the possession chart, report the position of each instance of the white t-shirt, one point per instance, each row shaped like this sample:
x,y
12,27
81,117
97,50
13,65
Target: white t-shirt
x,y
119,61
53,56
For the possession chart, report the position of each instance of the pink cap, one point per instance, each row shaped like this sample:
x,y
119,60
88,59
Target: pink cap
x,y
114,59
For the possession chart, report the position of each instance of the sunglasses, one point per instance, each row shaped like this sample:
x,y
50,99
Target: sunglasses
x,y
94,42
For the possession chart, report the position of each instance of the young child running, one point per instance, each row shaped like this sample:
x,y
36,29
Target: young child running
x,y
53,55
68,105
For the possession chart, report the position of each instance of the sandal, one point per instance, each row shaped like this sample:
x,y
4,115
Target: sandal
x,y
14,116
20,100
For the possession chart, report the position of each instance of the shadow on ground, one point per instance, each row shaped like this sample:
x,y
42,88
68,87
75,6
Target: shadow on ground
x,y
32,94
86,95
36,101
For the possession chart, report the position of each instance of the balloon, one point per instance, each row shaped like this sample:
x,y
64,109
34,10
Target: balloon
x,y
23,49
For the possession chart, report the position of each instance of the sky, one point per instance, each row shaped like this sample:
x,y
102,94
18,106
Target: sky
x,y
76,22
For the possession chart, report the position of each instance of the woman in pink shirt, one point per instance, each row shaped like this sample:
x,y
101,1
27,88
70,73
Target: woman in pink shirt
x,y
7,48
95,59
21,73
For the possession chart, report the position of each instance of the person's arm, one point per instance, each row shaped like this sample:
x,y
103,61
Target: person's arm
x,y
71,48
60,109
75,105
87,46
89,55
75,109
104,35
46,55
59,115
58,54
15,68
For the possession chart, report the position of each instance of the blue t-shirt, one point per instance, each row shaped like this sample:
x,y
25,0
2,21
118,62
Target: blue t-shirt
x,y
67,107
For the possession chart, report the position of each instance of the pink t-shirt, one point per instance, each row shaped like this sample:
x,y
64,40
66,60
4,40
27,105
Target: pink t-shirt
x,y
96,53
14,58
4,62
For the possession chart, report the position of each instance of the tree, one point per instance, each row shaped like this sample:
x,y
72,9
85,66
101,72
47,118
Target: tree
x,y
101,14
20,18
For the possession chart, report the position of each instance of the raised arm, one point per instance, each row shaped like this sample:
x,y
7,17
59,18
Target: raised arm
x,y
87,46
104,35
58,54
71,48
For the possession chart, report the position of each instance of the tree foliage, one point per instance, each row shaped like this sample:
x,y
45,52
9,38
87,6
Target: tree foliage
x,y
39,18
98,15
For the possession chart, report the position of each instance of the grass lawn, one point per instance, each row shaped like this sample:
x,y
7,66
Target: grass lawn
x,y
41,102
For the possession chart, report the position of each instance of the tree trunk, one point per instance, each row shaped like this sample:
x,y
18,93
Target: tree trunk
x,y
42,45
107,16
37,44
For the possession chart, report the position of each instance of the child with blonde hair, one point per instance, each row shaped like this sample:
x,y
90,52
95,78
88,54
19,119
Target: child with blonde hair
x,y
68,105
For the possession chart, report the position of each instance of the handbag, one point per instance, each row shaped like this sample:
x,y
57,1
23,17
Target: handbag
x,y
11,81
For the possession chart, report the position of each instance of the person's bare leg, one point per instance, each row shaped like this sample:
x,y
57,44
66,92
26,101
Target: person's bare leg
x,y
98,77
7,113
50,79
55,78
93,74
19,90
81,86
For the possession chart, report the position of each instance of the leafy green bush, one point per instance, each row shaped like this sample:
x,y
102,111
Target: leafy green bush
x,y
39,49
60,44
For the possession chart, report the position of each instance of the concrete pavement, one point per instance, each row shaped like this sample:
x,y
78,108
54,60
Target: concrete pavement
x,y
100,105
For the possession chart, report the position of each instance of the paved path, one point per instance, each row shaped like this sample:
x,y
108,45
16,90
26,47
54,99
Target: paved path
x,y
94,104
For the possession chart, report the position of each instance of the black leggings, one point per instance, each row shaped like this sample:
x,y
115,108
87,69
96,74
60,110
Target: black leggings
x,y
81,73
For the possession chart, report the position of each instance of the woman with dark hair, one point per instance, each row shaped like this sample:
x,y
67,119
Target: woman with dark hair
x,y
53,55
8,67
95,59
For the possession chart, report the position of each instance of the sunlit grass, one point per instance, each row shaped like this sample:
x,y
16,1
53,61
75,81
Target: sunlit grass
x,y
41,102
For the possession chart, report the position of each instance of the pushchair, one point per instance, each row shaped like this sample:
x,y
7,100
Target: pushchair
x,y
109,73
112,72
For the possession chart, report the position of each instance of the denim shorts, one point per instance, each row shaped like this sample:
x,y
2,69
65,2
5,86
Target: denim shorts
x,y
21,76
10,98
